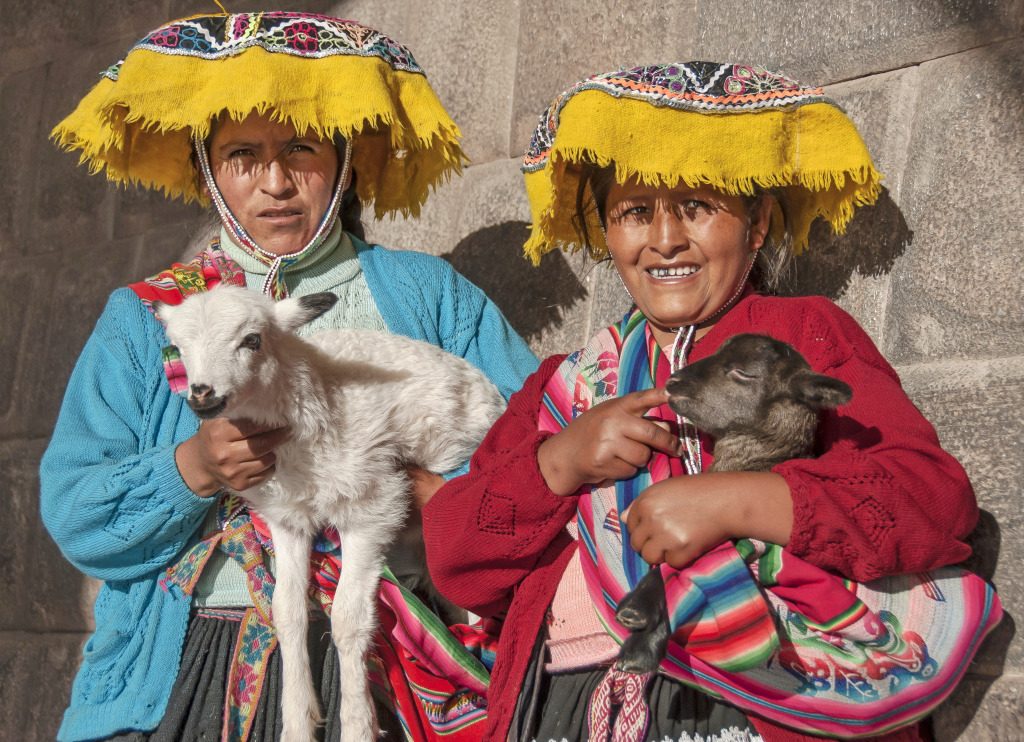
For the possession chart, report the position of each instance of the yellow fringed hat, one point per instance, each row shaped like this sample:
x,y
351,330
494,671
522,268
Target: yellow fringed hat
x,y
731,126
323,74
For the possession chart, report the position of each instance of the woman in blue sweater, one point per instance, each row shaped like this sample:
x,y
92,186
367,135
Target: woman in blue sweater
x,y
285,122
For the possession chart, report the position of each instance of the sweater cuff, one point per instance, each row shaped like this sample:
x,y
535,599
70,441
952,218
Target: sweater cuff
x,y
803,512
172,487
546,498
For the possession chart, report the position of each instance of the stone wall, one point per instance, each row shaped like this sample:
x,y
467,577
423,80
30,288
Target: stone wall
x,y
931,271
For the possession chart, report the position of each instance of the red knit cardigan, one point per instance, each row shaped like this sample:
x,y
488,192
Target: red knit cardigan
x,y
882,497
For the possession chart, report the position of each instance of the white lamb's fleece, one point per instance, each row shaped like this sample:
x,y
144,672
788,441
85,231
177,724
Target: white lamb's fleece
x,y
361,405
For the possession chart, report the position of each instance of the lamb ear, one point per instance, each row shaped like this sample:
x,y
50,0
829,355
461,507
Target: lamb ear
x,y
293,312
821,391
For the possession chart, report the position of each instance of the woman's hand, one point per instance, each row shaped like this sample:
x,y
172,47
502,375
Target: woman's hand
x,y
676,520
226,453
609,441
424,485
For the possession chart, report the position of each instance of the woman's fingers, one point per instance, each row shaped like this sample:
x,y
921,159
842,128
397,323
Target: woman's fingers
x,y
655,547
256,478
609,441
631,454
640,403
264,442
653,435
237,454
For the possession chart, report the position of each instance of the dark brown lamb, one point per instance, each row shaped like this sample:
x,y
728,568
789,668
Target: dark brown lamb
x,y
759,399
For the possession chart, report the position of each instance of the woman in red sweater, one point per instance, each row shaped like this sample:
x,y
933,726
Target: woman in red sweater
x,y
695,179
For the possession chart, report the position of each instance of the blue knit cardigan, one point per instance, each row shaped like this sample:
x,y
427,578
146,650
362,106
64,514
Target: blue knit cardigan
x,y
113,500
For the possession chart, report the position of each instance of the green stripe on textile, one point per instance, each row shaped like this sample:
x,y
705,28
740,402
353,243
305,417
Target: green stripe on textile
x,y
415,609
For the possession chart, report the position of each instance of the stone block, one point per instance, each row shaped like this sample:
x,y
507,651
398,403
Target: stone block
x,y
611,300
975,407
388,18
853,268
43,25
545,305
468,51
485,195
68,204
17,292
562,43
138,210
882,107
956,290
109,20
21,109
66,294
53,30
823,42
183,8
43,592
982,710
50,29
36,671
174,243
479,223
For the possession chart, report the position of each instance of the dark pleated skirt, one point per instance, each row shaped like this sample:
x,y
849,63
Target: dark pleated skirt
x,y
553,708
678,713
195,710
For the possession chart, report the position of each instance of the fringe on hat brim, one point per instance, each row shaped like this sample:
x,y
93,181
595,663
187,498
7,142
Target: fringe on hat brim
x,y
813,152
139,126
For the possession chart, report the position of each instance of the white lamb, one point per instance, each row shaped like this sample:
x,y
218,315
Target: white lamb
x,y
361,405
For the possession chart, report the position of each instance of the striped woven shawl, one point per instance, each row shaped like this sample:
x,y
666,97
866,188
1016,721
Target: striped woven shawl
x,y
752,623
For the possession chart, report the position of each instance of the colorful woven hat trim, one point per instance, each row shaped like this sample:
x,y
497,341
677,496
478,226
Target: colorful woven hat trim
x,y
299,34
336,78
734,127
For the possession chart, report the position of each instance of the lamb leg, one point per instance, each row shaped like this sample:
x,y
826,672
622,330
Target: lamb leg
x,y
644,611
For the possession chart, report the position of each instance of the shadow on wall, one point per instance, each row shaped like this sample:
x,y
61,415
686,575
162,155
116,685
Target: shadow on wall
x,y
874,238
985,542
988,664
532,299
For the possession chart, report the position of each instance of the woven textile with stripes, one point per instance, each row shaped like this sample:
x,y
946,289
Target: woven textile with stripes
x,y
752,623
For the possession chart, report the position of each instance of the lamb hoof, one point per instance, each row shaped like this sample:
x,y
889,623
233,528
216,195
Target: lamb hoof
x,y
632,618
644,606
644,611
643,651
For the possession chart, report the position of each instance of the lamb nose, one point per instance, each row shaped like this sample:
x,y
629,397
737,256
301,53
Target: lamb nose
x,y
201,392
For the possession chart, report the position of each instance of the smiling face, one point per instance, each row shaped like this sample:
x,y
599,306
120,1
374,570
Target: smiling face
x,y
681,252
277,184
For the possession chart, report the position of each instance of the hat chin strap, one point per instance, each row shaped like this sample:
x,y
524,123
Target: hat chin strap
x,y
273,284
735,294
678,358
